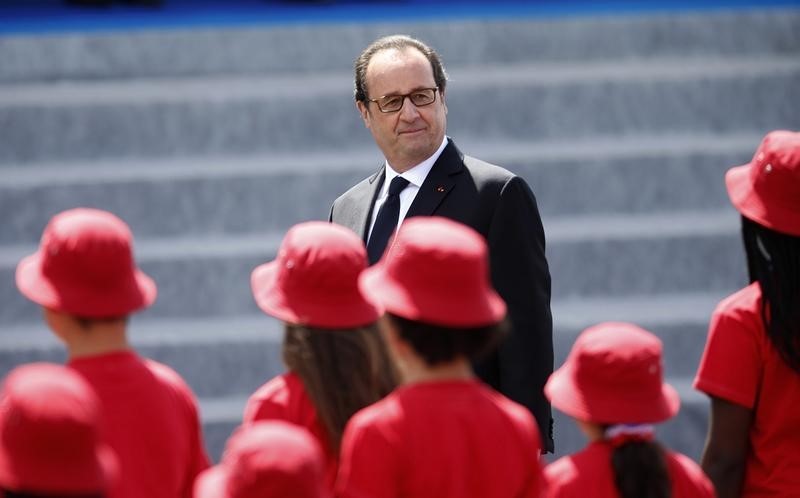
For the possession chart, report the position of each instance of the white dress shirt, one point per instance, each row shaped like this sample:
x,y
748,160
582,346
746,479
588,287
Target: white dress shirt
x,y
415,177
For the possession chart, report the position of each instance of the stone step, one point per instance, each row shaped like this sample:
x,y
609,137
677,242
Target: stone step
x,y
157,118
588,256
217,356
642,254
235,195
232,356
334,46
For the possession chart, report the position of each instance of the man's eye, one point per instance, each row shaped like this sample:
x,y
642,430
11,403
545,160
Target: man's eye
x,y
391,101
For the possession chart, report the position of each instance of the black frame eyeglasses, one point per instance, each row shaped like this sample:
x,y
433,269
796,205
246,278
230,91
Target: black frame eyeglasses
x,y
393,103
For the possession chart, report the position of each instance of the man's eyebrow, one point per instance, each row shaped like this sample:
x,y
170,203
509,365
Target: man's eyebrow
x,y
415,89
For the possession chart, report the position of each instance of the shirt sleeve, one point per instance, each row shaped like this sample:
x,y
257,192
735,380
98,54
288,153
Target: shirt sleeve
x,y
262,408
558,481
368,467
731,365
198,458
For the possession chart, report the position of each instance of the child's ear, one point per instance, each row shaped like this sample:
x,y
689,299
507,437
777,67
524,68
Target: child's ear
x,y
59,323
391,334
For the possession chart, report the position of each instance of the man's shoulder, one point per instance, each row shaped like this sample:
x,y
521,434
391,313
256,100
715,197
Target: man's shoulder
x,y
353,198
357,188
485,174
473,164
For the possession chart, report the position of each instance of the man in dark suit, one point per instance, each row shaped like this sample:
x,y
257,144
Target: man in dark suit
x,y
400,94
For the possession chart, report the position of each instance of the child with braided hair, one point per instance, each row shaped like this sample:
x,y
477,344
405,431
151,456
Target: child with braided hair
x,y
612,385
751,364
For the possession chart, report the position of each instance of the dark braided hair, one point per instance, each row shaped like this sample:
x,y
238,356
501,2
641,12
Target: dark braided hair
x,y
640,470
773,260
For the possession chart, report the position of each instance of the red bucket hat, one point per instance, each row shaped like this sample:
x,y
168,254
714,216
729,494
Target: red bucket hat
x,y
613,374
314,279
436,271
50,439
264,460
85,267
767,190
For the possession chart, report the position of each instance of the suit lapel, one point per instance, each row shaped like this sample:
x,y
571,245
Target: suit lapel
x,y
438,183
362,201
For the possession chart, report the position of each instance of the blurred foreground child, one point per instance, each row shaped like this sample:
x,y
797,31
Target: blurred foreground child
x,y
85,278
51,436
336,358
443,433
267,460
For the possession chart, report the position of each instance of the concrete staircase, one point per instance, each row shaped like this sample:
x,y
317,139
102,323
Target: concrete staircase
x,y
211,143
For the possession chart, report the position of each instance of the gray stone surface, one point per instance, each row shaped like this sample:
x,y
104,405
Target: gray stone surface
x,y
234,356
307,49
194,206
707,99
207,285
212,142
228,195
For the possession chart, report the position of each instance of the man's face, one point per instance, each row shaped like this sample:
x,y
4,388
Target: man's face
x,y
412,134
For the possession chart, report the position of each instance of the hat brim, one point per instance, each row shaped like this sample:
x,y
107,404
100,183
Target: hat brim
x,y
137,292
566,395
211,483
332,313
486,309
747,201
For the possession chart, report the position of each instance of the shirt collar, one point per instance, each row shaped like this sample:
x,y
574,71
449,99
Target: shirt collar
x,y
418,173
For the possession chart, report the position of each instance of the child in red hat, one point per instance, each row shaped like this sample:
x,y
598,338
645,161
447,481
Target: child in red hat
x,y
267,459
51,441
751,364
612,385
85,278
443,433
336,358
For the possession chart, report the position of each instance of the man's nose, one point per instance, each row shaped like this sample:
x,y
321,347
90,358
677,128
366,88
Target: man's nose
x,y
409,111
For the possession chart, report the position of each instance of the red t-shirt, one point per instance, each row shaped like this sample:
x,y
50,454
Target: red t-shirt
x,y
741,365
151,421
285,398
588,473
450,439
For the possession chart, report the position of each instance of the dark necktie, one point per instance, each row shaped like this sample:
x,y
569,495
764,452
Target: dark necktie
x,y
386,221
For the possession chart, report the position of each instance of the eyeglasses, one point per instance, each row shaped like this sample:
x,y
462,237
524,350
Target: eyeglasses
x,y
393,103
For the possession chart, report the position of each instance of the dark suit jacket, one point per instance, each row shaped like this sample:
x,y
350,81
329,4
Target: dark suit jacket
x,y
502,208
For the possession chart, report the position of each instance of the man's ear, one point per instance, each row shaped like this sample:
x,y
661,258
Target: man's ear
x,y
364,111
444,101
